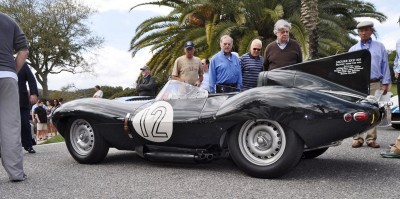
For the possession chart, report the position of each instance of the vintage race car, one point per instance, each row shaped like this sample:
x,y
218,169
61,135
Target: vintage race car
x,y
296,111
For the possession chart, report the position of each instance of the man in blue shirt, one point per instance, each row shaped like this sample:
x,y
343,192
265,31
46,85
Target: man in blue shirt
x,y
225,70
380,73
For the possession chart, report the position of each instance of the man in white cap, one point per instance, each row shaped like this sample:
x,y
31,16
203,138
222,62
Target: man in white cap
x,y
187,68
380,73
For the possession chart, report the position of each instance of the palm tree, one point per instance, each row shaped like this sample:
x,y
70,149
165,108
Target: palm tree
x,y
205,21
310,19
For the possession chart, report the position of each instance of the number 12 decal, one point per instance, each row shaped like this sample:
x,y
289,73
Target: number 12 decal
x,y
155,122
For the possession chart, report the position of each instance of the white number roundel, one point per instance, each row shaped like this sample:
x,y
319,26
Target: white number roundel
x,y
155,122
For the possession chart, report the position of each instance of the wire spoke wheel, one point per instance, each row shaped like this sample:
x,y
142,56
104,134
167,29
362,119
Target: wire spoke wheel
x,y
82,137
262,142
264,149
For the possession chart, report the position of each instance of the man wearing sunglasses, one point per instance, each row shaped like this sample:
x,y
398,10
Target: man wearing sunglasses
x,y
252,65
283,51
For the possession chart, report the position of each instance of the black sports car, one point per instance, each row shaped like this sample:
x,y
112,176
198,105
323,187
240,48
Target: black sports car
x,y
296,111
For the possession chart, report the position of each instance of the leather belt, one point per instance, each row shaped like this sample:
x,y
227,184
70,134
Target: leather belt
x,y
375,80
231,85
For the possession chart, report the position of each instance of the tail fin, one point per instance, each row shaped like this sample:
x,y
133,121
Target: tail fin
x,y
344,72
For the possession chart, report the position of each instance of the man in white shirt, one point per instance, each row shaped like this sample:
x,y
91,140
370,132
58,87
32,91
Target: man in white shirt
x,y
205,83
99,93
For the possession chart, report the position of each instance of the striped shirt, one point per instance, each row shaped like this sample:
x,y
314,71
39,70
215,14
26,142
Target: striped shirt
x,y
251,67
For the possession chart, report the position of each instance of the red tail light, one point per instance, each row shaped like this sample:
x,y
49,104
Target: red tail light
x,y
360,116
347,117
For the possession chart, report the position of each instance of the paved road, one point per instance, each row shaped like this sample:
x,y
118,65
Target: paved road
x,y
342,172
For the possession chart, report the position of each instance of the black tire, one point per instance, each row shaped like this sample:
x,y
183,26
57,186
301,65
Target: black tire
x,y
263,149
314,153
84,143
396,126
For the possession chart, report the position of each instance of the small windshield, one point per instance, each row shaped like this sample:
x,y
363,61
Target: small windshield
x,y
175,89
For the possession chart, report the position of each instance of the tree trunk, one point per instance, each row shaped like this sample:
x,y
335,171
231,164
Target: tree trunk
x,y
310,19
45,88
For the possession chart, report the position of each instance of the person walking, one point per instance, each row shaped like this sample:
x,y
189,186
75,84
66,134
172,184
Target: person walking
x,y
147,86
12,39
380,74
25,100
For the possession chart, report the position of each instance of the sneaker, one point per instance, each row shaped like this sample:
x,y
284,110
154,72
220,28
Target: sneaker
x,y
20,180
390,154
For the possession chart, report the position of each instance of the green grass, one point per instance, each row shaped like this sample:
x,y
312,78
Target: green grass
x,y
55,139
394,89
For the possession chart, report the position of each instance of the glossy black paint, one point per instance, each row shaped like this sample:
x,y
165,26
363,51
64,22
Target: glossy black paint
x,y
309,98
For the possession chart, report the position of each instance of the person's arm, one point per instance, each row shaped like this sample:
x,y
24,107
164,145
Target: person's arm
x,y
198,82
37,118
300,58
200,72
239,84
385,71
396,67
175,71
21,58
33,90
150,85
212,76
266,62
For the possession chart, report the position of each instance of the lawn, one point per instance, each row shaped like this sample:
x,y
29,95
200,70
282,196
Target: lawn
x,y
55,139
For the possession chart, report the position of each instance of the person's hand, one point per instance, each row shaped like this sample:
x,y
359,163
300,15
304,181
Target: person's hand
x,y
33,99
197,83
385,88
396,75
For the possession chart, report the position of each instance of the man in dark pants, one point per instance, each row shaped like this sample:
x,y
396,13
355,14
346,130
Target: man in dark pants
x,y
25,101
147,86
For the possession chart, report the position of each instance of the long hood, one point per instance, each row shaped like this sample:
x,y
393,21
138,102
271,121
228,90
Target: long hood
x,y
95,106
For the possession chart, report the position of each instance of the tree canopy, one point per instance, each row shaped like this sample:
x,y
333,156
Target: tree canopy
x,y
57,33
205,21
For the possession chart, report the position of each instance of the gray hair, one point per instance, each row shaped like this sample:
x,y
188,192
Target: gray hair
x,y
281,23
226,37
256,41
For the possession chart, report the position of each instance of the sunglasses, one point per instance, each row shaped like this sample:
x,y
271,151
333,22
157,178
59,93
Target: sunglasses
x,y
256,49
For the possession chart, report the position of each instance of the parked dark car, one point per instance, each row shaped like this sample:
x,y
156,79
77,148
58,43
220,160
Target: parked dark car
x,y
296,111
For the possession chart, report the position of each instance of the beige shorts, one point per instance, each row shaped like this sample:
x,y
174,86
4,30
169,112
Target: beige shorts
x,y
41,126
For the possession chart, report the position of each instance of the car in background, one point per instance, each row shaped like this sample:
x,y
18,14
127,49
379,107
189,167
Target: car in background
x,y
395,112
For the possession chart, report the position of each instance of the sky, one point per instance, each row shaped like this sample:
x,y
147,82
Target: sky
x,y
114,65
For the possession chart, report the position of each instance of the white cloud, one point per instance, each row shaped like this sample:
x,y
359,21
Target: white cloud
x,y
114,67
123,5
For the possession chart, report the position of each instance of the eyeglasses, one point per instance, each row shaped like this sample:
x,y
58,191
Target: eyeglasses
x,y
256,49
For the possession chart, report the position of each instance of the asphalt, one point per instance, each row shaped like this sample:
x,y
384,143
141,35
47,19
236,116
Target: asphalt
x,y
342,172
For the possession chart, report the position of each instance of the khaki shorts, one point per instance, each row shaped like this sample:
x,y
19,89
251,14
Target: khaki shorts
x,y
41,126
